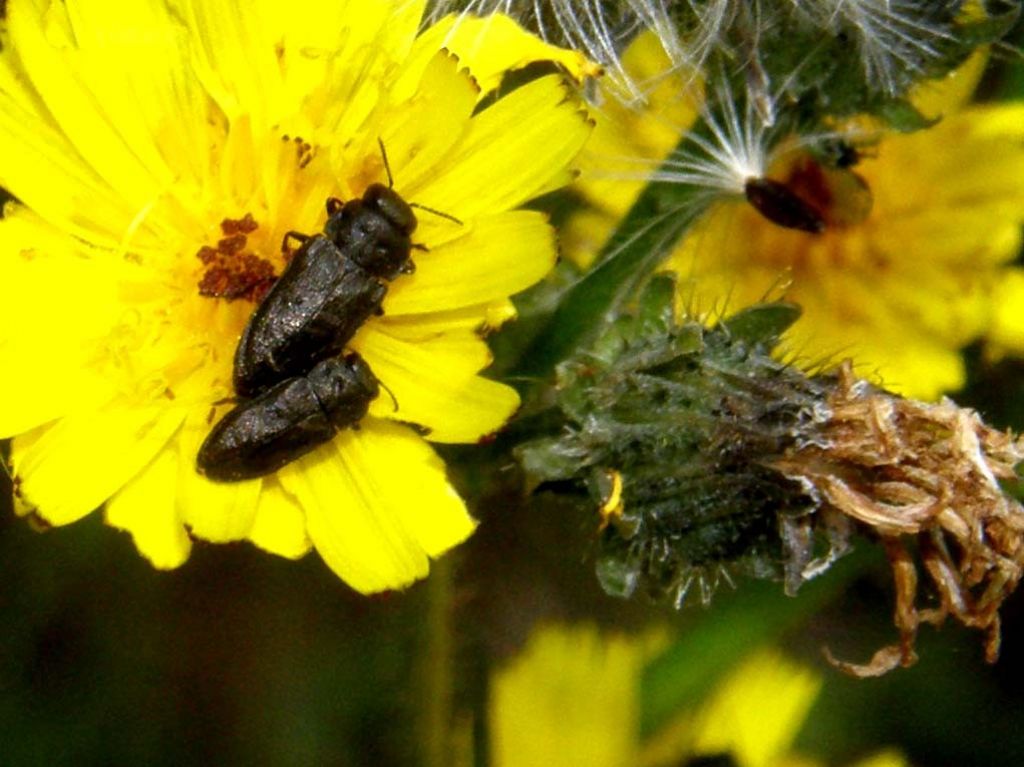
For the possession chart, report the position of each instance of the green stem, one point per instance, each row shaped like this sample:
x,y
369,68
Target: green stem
x,y
645,236
437,683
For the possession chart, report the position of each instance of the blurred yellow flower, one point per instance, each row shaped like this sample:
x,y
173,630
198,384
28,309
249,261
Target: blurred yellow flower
x,y
624,137
899,284
572,698
135,141
757,712
569,699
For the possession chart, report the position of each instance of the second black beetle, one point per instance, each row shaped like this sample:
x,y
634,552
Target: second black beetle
x,y
288,420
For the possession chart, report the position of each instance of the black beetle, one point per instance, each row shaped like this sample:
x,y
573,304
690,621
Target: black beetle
x,y
328,290
776,202
296,391
288,420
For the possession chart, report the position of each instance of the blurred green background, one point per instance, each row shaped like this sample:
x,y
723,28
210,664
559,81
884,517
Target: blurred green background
x,y
242,658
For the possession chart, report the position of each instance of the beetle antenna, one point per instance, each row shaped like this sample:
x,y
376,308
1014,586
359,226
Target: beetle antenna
x,y
387,166
436,212
390,184
391,394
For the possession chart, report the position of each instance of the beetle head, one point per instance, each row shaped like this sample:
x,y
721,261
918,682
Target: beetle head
x,y
373,231
389,204
362,375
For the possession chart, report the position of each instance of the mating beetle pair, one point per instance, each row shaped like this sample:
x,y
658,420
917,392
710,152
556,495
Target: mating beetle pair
x,y
298,391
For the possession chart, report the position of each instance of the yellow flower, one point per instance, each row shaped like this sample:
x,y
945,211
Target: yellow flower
x,y
572,698
624,137
756,713
135,140
569,699
901,287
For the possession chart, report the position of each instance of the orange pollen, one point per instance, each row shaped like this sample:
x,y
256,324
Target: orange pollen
x,y
231,270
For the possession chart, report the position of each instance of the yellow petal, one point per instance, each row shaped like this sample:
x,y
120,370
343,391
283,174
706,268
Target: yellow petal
x,y
281,61
1007,332
71,467
671,103
758,711
156,106
44,38
434,382
146,507
321,40
625,135
377,505
214,511
937,98
429,122
570,699
45,171
65,307
498,313
458,353
515,149
280,524
949,237
495,44
499,255
476,319
456,414
920,365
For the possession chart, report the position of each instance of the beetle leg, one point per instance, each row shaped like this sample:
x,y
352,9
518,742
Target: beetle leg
x,y
334,204
298,236
420,246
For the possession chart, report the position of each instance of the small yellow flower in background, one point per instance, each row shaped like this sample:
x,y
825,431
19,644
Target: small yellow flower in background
x,y
572,698
738,718
138,143
899,284
569,699
624,137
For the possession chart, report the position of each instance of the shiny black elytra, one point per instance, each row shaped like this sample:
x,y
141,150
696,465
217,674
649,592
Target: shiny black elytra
x,y
288,420
297,392
332,285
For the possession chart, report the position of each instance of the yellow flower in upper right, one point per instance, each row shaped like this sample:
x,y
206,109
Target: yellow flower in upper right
x,y
914,260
